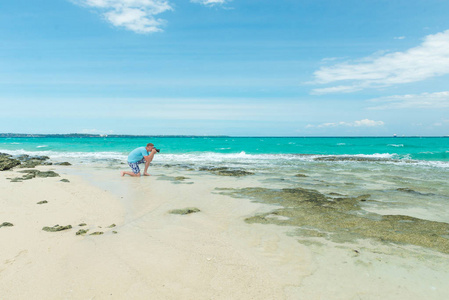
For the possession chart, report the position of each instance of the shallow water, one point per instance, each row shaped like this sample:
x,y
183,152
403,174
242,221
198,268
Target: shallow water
x,y
402,176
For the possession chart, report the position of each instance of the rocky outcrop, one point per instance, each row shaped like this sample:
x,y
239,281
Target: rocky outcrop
x,y
7,162
341,219
28,161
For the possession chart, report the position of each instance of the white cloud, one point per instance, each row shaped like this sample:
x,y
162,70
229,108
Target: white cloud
x,y
134,15
424,100
361,123
210,2
429,59
336,89
399,38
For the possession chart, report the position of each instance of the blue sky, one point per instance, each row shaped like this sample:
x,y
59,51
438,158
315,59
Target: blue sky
x,y
218,67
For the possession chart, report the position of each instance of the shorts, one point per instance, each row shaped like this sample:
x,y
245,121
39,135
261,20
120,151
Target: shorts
x,y
135,165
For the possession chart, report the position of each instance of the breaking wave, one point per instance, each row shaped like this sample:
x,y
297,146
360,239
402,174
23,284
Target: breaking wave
x,y
232,159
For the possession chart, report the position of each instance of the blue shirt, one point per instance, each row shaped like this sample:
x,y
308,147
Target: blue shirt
x,y
137,154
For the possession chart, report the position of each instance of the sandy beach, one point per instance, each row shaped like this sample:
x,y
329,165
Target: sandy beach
x,y
151,253
154,255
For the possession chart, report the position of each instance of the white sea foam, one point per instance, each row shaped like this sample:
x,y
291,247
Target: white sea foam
x,y
227,159
396,145
42,146
74,156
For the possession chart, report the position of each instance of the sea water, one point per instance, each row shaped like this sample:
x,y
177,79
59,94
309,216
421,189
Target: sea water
x,y
417,148
402,176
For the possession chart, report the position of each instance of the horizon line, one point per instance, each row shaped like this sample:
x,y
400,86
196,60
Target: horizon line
x,y
21,135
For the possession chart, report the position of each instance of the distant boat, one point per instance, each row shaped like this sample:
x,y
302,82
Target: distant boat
x,y
395,135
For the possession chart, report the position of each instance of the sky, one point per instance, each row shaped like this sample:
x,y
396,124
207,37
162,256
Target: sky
x,y
222,67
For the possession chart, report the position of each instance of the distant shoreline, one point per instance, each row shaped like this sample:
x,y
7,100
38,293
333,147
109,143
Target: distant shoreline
x,y
88,135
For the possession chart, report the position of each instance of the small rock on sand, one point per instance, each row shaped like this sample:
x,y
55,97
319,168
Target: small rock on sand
x,y
56,228
97,233
184,211
6,224
82,231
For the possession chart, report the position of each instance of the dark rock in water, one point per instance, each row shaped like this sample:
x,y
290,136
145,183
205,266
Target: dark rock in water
x,y
363,197
26,157
28,161
30,164
63,164
335,194
185,211
64,180
42,202
6,224
408,190
236,173
342,219
213,168
111,226
300,175
7,162
23,157
56,228
82,231
97,233
225,171
82,224
175,180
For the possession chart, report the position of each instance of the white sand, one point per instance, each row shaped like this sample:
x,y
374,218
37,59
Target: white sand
x,y
212,254
154,255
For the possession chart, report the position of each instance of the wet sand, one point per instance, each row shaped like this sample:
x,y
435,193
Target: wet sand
x,y
210,254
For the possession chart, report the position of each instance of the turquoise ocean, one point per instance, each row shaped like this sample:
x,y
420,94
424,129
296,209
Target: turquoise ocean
x,y
404,175
412,148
